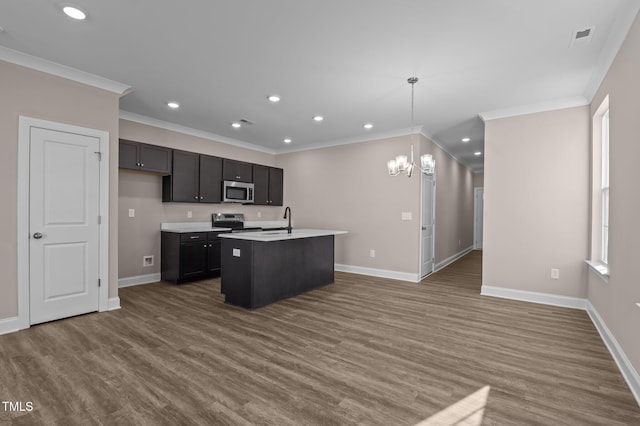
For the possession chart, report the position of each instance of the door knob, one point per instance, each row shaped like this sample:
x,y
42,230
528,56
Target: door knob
x,y
37,235
424,228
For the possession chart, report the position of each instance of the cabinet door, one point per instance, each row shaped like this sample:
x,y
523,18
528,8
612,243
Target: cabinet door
x,y
260,185
185,177
155,158
213,255
237,171
275,186
193,259
128,156
210,179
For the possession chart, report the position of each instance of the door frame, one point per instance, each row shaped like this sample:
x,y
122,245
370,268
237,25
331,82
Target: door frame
x,y
24,140
421,276
476,190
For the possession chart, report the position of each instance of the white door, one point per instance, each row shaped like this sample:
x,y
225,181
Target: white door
x,y
64,208
478,217
428,222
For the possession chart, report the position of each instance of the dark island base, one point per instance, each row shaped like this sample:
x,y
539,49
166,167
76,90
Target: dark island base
x,y
266,272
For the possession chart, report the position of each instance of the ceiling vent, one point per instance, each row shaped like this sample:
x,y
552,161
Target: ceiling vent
x,y
581,36
247,122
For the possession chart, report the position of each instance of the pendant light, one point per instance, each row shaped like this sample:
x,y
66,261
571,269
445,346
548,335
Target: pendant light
x,y
401,164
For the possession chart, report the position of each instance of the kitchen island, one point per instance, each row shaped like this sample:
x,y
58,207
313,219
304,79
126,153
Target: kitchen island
x,y
259,268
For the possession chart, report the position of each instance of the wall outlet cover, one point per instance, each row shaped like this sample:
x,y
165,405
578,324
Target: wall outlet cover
x,y
407,216
147,260
555,274
132,212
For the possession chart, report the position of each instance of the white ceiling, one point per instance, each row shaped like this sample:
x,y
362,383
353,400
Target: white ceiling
x,y
347,60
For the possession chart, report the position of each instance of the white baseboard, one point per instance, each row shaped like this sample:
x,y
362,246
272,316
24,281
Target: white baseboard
x,y
9,325
382,273
139,279
534,297
624,365
449,260
626,368
114,303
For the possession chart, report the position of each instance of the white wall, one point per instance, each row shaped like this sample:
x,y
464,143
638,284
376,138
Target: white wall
x,y
536,201
616,300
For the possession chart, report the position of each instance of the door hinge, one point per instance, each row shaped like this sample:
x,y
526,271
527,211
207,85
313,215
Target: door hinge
x,y
99,154
99,220
99,282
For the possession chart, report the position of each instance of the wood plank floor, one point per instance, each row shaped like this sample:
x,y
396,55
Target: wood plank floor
x,y
365,351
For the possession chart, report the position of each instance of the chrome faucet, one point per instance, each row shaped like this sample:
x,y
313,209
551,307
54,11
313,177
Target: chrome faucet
x,y
288,209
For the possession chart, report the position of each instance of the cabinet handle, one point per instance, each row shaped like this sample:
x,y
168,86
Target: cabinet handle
x,y
201,197
204,245
237,177
196,197
141,164
138,164
195,237
210,245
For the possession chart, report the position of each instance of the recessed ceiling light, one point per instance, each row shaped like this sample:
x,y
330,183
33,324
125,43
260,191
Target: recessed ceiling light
x,y
318,118
477,153
466,139
287,140
173,105
368,126
274,98
236,125
74,12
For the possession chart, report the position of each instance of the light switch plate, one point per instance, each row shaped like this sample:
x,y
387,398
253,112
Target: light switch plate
x,y
132,213
236,252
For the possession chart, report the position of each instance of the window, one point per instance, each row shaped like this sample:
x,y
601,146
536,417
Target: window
x,y
599,257
604,189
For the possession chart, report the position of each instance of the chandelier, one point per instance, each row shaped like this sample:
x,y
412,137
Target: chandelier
x,y
402,164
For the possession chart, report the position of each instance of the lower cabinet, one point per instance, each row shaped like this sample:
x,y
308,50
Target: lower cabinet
x,y
189,256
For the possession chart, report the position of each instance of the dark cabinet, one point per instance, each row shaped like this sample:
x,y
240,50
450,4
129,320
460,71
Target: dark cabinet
x,y
196,178
189,256
276,177
267,183
144,157
237,171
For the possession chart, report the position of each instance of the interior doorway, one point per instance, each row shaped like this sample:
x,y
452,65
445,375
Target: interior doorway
x,y
427,229
478,221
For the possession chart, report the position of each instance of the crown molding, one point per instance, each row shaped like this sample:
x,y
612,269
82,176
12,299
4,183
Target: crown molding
x,y
552,105
53,68
143,119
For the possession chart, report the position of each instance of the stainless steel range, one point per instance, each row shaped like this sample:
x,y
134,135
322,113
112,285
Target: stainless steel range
x,y
235,221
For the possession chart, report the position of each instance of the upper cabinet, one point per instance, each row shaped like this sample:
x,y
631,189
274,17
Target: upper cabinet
x,y
267,183
196,178
144,157
237,171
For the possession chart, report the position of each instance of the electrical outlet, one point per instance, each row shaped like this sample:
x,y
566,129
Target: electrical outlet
x,y
132,212
147,260
372,253
407,216
189,214
555,274
259,215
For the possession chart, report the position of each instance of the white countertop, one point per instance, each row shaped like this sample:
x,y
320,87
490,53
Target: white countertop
x,y
267,236
183,227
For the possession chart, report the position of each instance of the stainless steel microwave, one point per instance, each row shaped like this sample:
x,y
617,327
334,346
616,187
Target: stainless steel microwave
x,y
237,192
